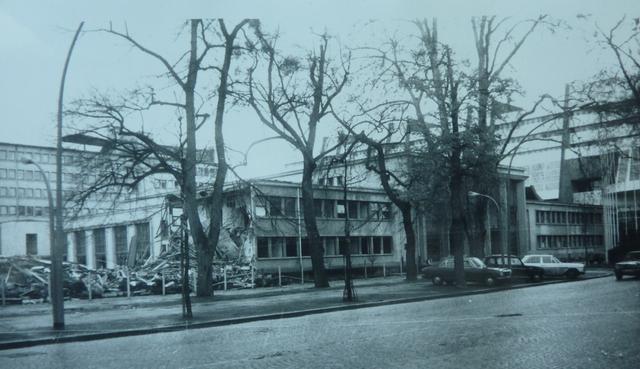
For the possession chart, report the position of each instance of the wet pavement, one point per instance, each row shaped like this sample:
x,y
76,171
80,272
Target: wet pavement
x,y
29,325
587,324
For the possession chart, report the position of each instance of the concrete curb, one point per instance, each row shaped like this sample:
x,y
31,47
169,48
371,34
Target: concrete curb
x,y
255,318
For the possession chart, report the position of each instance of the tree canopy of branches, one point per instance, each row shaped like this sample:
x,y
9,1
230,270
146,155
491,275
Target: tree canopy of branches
x,y
140,156
293,100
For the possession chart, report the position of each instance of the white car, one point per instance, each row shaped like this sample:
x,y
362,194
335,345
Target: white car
x,y
554,267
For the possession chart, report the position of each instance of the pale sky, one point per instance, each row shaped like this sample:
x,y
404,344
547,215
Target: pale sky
x,y
35,36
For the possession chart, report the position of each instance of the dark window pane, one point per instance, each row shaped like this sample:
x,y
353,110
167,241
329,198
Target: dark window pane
x,y
263,247
329,208
32,243
364,245
290,206
277,247
342,245
275,206
355,245
353,209
377,245
292,246
386,245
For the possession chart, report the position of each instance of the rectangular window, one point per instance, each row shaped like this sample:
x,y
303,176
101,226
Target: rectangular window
x,y
38,211
353,209
3,173
11,210
330,246
340,209
277,247
20,192
355,245
290,206
386,244
28,175
3,210
22,211
377,245
3,192
275,206
385,211
32,243
11,155
364,210
291,244
3,154
29,210
263,247
11,173
342,245
364,245
11,191
100,245
329,208
29,192
306,250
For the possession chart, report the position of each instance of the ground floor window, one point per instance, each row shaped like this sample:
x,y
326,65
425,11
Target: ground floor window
x,y
279,247
32,243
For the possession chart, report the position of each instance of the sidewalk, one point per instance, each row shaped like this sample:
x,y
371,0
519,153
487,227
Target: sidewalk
x,y
30,325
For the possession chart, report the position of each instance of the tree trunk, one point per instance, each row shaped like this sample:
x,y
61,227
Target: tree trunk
x,y
407,223
457,226
311,226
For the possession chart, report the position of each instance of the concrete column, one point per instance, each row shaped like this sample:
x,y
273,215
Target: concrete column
x,y
91,249
504,216
521,202
131,232
110,248
156,242
72,256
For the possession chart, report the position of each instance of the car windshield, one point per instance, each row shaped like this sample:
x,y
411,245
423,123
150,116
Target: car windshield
x,y
531,259
635,255
555,260
475,262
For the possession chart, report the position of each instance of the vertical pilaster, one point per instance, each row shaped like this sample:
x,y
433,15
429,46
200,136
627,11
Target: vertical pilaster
x,y
110,247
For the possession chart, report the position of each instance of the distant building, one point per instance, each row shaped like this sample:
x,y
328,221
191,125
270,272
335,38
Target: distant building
x,y
587,157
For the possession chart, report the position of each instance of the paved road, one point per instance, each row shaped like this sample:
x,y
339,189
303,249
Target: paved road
x,y
589,324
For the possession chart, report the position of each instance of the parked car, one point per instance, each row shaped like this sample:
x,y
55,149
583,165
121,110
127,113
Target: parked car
x,y
518,269
474,271
554,267
629,266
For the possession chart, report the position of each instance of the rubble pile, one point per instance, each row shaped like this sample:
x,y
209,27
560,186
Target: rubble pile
x,y
24,279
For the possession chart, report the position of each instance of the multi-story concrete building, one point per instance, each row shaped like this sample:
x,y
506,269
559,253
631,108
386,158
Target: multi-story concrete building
x,y
111,224
585,157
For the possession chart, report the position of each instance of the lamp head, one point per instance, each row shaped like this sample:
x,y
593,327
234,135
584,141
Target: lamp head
x,y
26,161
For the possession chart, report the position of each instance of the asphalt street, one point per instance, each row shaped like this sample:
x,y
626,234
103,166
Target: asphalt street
x,y
587,324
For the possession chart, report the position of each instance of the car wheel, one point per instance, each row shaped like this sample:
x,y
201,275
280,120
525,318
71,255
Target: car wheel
x,y
572,274
436,280
489,281
618,276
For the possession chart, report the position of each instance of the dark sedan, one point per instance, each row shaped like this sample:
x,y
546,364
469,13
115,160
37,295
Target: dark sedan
x,y
629,266
518,269
474,271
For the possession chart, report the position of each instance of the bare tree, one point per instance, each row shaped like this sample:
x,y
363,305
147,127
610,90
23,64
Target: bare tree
x,y
142,156
293,101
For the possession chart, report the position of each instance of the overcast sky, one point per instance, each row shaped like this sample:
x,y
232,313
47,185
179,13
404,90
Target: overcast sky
x,y
35,36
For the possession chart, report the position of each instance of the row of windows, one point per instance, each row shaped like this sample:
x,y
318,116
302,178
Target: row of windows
x,y
280,247
38,157
330,181
325,208
577,241
37,211
34,175
567,217
31,193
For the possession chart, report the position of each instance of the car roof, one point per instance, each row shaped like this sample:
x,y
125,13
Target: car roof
x,y
500,255
538,255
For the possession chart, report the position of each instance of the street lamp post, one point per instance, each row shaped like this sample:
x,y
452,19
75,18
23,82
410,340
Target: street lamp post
x,y
55,279
503,244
